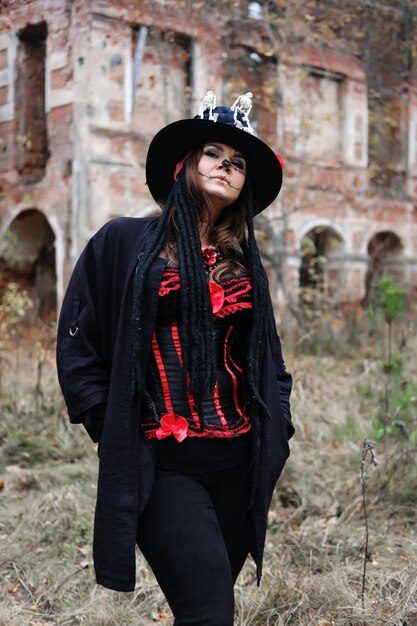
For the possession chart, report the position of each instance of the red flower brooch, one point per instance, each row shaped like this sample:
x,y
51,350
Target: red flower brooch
x,y
211,257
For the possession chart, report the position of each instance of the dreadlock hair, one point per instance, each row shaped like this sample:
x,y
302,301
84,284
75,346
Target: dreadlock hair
x,y
177,233
260,294
180,221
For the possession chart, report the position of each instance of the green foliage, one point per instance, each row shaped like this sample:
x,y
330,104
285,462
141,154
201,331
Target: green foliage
x,y
381,430
396,404
14,305
367,392
390,300
395,397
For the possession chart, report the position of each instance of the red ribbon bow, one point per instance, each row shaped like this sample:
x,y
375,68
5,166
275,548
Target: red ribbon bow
x,y
172,424
216,295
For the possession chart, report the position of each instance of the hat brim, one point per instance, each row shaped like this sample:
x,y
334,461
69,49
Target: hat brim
x,y
173,142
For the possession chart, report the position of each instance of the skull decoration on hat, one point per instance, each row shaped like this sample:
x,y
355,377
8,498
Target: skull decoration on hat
x,y
208,103
241,108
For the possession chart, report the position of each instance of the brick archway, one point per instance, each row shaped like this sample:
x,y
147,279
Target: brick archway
x,y
322,250
27,256
385,254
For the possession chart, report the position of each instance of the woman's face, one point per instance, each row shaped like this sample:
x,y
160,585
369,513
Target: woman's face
x,y
222,172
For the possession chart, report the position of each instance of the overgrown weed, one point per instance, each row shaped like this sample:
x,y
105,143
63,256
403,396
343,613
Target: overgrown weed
x,y
313,555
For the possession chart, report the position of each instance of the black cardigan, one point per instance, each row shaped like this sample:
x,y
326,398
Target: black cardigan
x,y
94,367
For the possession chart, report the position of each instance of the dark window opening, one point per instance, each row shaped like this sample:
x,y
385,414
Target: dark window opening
x,y
31,135
27,258
162,76
385,252
320,267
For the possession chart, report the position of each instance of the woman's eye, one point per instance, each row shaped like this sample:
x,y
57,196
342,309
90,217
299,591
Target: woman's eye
x,y
211,153
239,164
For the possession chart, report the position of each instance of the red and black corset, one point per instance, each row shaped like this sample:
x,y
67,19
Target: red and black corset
x,y
225,409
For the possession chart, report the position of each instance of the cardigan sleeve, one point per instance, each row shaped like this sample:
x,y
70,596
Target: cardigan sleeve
x,y
82,372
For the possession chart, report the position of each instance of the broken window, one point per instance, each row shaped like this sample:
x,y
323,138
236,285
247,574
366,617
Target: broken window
x,y
314,113
31,134
385,252
322,249
162,78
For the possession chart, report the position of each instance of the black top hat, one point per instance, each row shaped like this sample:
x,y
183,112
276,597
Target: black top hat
x,y
229,125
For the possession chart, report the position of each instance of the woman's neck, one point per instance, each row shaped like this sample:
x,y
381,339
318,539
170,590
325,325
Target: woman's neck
x,y
206,236
205,242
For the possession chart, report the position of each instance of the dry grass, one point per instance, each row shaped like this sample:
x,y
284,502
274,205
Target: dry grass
x,y
314,551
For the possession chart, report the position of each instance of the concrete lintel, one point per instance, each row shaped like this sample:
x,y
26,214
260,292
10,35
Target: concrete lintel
x,y
60,97
5,40
116,164
116,18
4,77
7,112
293,261
120,132
57,60
357,259
347,262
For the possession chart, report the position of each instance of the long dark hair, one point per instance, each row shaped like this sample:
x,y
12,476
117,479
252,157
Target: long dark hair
x,y
177,232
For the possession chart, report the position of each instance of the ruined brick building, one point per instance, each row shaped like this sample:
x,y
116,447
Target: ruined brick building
x,y
85,84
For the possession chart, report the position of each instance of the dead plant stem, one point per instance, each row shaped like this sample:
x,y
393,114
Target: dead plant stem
x,y
367,447
22,582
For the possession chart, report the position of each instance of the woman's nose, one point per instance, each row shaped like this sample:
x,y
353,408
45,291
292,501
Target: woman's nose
x,y
226,163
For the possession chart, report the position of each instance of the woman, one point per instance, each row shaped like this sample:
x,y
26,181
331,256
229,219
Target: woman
x,y
169,356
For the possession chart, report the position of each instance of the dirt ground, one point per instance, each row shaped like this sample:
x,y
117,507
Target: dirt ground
x,y
314,561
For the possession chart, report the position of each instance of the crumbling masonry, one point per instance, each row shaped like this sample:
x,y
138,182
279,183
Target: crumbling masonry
x,y
85,84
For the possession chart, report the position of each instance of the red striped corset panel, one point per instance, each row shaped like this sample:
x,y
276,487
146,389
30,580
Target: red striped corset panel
x,y
172,411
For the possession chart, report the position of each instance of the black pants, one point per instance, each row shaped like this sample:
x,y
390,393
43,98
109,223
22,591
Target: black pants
x,y
193,533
